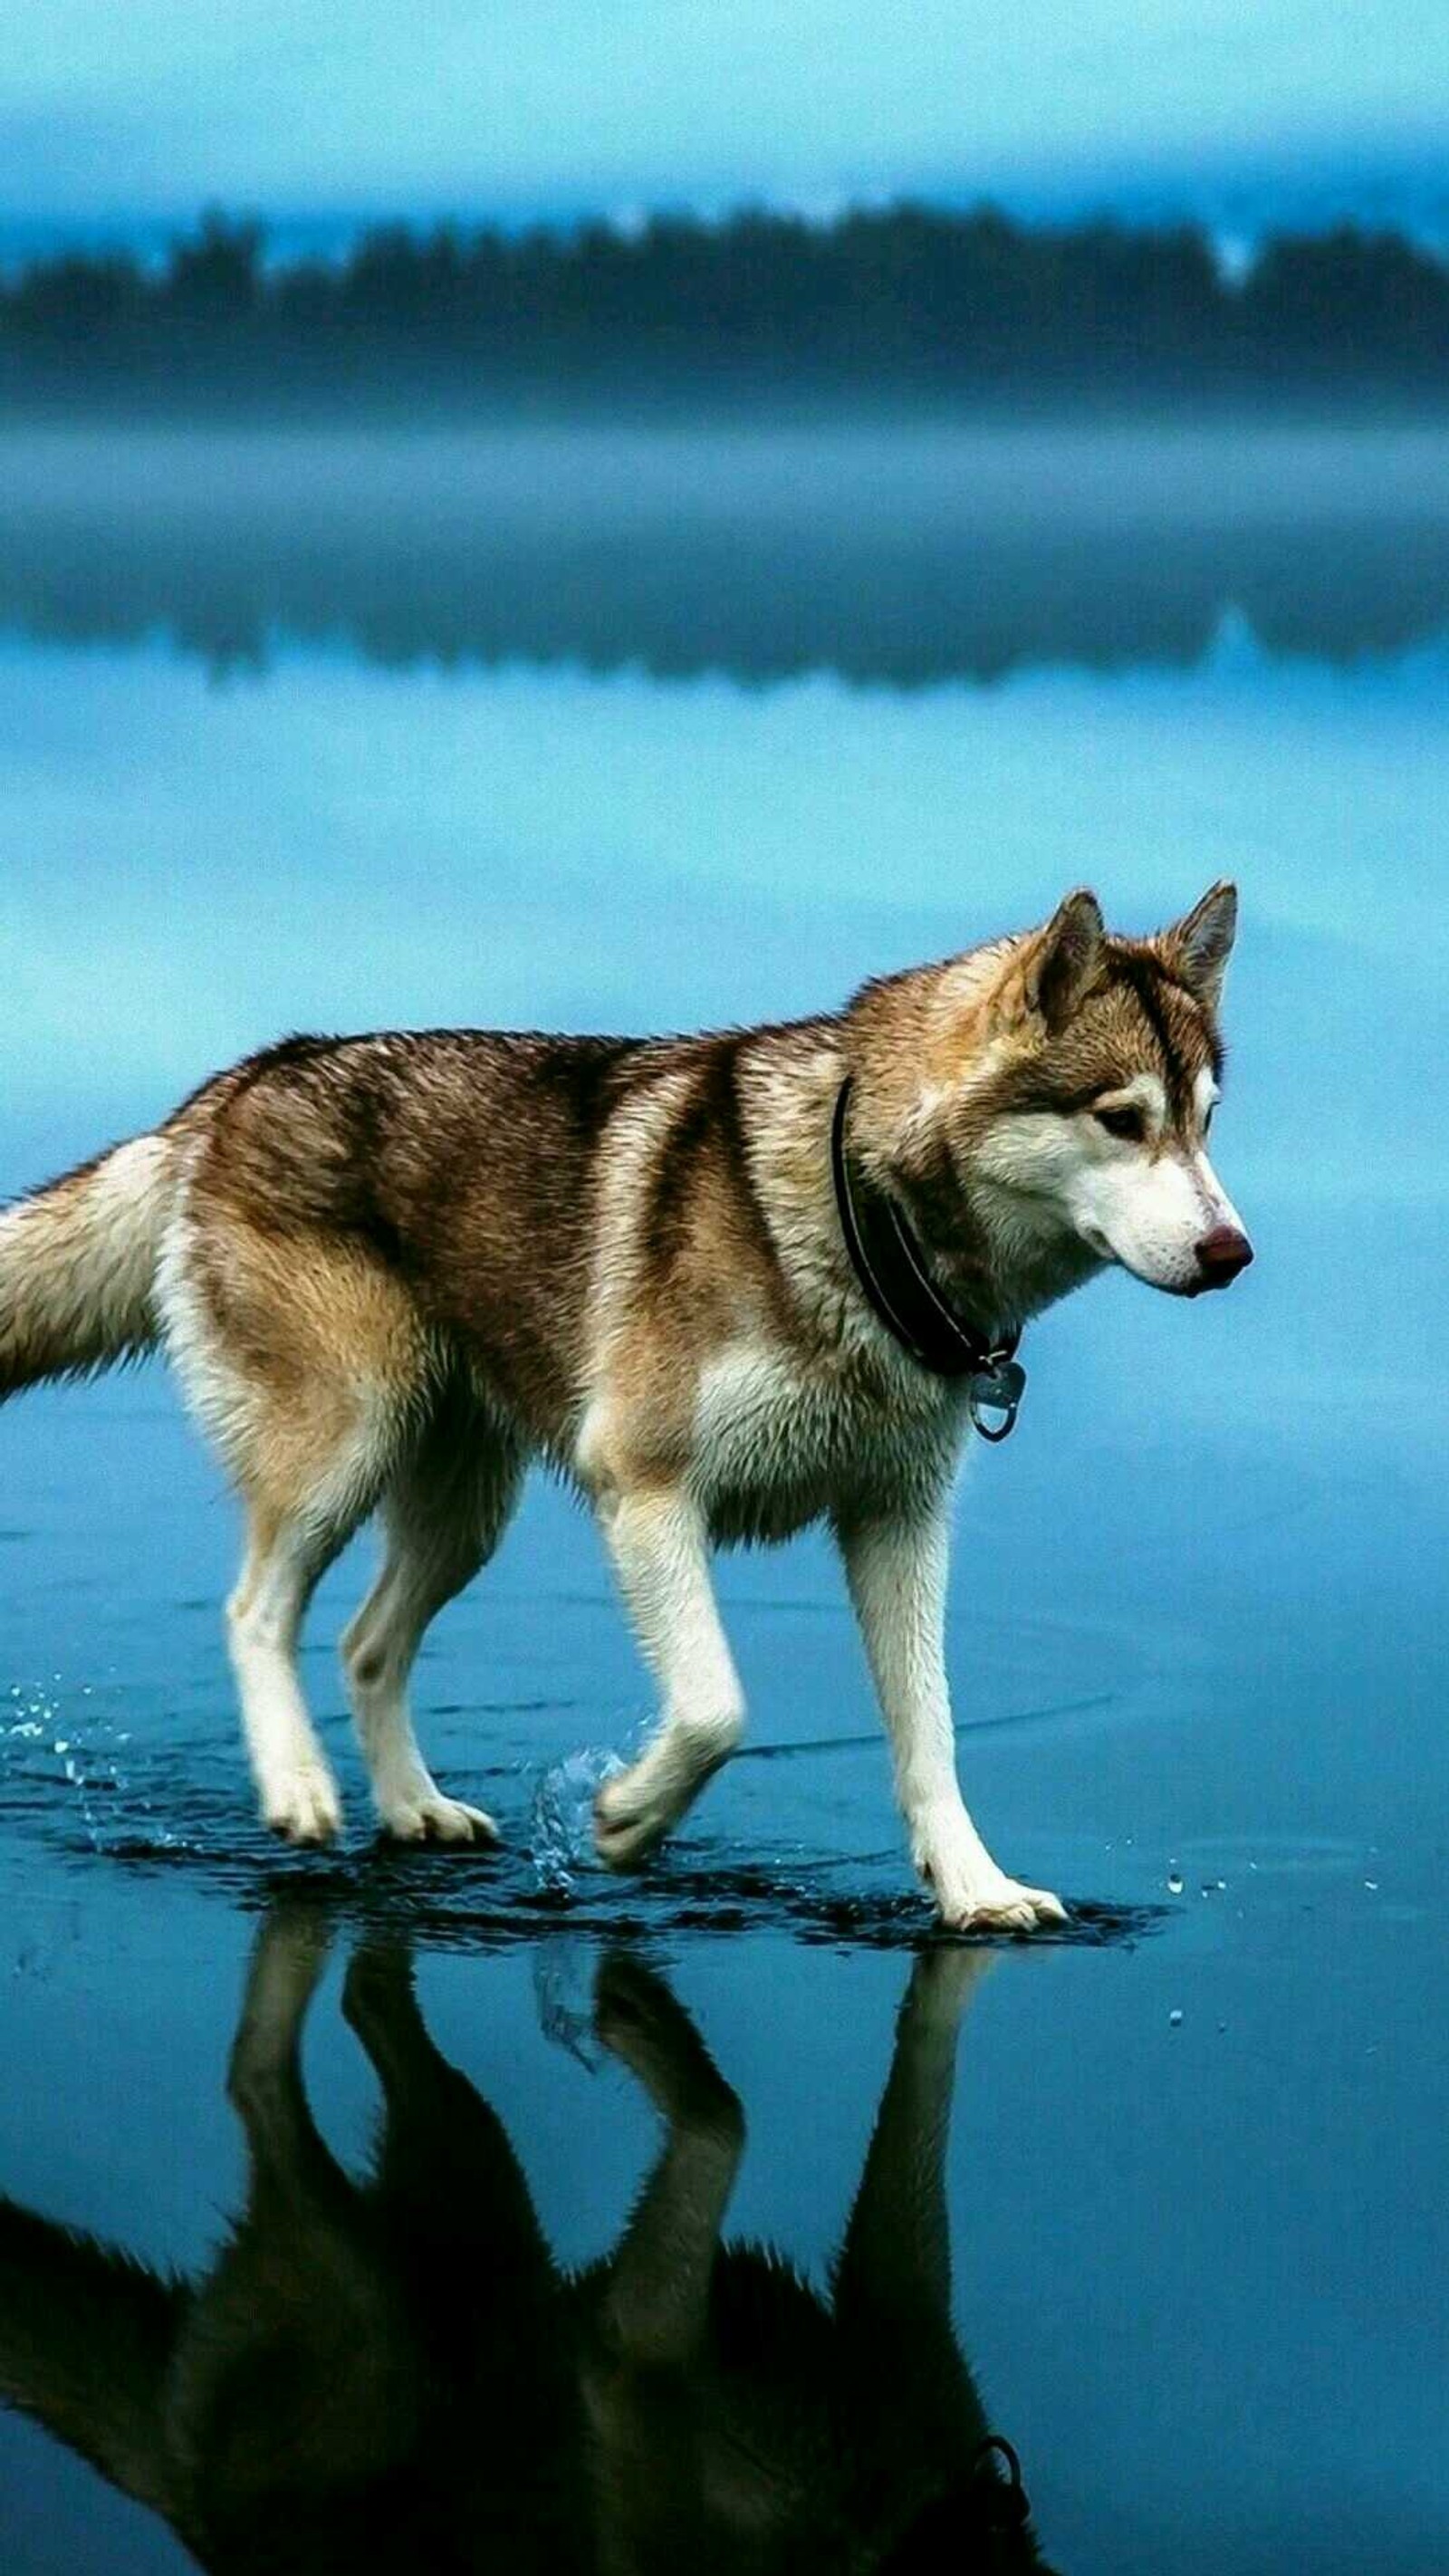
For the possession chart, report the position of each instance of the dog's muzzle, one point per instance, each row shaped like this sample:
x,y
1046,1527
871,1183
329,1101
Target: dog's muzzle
x,y
1221,1255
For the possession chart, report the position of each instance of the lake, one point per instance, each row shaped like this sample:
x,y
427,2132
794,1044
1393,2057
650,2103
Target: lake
x,y
639,728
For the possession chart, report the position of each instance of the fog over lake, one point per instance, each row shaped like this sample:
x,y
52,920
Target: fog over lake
x,y
643,727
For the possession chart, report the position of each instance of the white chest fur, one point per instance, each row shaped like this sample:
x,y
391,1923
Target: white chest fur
x,y
778,1443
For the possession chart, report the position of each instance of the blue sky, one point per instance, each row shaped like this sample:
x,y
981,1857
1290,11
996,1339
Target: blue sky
x,y
522,106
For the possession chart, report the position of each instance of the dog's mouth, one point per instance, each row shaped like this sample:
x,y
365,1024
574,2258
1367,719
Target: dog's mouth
x,y
1200,1285
1219,1259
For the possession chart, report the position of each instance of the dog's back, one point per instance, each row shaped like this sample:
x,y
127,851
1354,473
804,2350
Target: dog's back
x,y
391,1270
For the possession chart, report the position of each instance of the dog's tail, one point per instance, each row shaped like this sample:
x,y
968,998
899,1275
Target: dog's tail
x,y
78,1265
86,2340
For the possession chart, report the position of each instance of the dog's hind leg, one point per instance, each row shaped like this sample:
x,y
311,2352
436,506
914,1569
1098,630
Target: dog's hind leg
x,y
660,1550
287,1555
289,2161
445,1512
447,2177
310,1472
308,1366
297,2387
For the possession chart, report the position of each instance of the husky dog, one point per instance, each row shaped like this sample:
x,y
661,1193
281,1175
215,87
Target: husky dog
x,y
397,2372
728,1285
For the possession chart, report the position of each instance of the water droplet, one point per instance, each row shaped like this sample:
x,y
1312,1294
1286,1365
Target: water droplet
x,y
1174,1879
1175,2017
1372,1885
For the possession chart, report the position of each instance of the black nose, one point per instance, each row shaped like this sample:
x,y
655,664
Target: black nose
x,y
1222,1254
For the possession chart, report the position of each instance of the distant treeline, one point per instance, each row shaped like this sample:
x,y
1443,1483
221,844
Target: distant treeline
x,y
910,300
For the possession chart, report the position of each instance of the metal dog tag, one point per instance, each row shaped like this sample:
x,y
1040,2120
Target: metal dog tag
x,y
996,1388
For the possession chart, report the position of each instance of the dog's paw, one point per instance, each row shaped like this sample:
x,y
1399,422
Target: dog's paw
x,y
1000,1904
303,1806
628,1825
429,1817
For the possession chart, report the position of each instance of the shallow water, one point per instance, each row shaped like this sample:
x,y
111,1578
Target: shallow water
x,y
631,733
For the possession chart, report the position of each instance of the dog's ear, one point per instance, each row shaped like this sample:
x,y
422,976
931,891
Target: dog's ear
x,y
1063,960
1198,947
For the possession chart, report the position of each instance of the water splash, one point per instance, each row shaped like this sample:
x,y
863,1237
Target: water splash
x,y
563,1986
57,1740
72,1772
66,1760
560,1834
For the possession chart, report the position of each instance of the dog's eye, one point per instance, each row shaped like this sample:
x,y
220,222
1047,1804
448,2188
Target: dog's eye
x,y
1129,1124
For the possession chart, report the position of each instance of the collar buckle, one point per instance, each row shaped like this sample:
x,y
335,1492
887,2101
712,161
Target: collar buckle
x,y
997,1387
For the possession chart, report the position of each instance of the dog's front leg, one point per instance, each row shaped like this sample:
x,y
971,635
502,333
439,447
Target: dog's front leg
x,y
893,2276
660,1549
896,1568
657,2296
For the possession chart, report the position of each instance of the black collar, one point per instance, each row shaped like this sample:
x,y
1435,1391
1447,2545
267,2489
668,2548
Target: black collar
x,y
889,1263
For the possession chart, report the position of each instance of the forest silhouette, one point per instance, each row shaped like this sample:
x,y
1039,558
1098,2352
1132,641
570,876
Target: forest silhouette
x,y
906,302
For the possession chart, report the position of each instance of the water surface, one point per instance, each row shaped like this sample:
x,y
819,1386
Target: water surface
x,y
633,732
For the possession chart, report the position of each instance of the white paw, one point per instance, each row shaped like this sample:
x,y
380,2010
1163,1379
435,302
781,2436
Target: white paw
x,y
628,1823
303,1806
999,1904
428,1817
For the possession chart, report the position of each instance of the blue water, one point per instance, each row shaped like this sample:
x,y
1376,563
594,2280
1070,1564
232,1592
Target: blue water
x,y
256,775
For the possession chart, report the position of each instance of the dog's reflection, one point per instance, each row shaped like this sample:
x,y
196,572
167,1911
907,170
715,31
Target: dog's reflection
x,y
398,2372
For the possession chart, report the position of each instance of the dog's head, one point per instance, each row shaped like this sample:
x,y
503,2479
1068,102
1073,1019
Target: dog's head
x,y
1071,1088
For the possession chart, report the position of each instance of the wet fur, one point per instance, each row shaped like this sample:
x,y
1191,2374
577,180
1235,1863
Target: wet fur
x,y
390,1270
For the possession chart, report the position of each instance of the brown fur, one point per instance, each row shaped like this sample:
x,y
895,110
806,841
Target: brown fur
x,y
391,1267
421,1201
